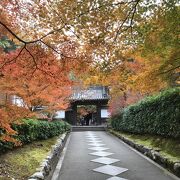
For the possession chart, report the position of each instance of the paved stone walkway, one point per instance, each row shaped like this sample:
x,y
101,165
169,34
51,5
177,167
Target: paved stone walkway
x,y
99,156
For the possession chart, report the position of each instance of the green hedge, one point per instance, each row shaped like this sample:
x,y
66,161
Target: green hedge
x,y
156,115
32,130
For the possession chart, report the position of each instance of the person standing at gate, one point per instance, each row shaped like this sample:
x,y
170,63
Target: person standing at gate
x,y
82,121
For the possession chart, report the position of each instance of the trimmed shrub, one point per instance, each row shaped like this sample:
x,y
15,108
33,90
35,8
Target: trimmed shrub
x,y
31,130
156,115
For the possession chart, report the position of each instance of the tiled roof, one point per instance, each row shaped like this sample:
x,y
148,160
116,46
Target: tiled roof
x,y
91,93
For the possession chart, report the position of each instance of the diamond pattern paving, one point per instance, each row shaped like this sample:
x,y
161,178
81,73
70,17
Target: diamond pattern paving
x,y
96,144
116,178
110,170
106,168
105,160
91,136
94,141
98,148
101,153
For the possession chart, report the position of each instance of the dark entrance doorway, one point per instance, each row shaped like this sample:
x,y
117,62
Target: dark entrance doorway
x,y
86,115
97,96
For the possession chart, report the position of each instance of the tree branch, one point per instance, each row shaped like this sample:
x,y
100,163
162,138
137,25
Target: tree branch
x,y
14,59
56,50
132,11
36,65
172,69
30,42
65,24
12,33
103,5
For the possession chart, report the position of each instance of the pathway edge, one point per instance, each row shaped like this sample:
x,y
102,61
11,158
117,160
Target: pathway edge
x,y
56,172
48,165
139,149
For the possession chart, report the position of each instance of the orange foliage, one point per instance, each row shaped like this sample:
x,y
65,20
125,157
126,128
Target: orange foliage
x,y
119,102
8,115
47,62
39,79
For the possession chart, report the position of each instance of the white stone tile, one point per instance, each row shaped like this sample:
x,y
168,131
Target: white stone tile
x,y
96,144
105,160
90,136
101,153
110,170
98,148
116,178
94,141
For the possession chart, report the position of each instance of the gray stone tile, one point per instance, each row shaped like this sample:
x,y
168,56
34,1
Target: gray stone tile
x,y
101,153
98,148
105,160
110,170
116,178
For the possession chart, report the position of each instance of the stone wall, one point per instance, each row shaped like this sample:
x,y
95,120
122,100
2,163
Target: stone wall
x,y
153,154
48,165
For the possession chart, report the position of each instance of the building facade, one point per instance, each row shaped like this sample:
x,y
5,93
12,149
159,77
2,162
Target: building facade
x,y
93,95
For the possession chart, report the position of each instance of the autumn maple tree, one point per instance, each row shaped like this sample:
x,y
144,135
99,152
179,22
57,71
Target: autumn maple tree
x,y
48,46
39,77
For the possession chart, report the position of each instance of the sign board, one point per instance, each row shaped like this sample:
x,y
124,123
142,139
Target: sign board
x,y
104,113
17,101
60,114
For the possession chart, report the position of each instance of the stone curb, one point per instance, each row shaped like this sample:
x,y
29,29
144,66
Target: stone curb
x,y
48,165
152,154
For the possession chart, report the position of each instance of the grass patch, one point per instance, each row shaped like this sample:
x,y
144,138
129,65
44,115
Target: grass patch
x,y
22,162
168,147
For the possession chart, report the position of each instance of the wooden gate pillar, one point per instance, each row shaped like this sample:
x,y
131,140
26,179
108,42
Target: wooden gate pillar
x,y
74,116
98,111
